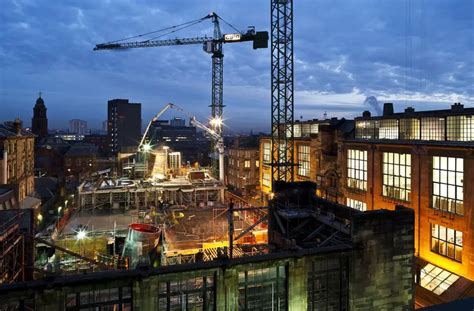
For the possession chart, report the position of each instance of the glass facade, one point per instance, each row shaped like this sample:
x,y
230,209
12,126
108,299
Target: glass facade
x,y
357,169
446,242
460,128
396,175
450,128
267,150
196,293
409,129
448,180
303,161
358,205
263,289
388,129
432,128
328,285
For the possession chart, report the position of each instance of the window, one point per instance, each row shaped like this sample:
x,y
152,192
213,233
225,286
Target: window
x,y
305,129
297,130
257,163
388,129
397,175
448,175
357,169
409,129
432,128
266,180
367,129
263,289
460,128
446,242
328,284
118,298
314,128
247,164
358,205
436,279
195,293
266,153
303,161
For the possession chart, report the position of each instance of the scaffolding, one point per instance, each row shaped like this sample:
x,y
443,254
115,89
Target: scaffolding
x,y
12,248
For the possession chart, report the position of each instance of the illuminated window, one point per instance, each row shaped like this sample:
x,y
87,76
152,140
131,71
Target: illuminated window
x,y
247,164
196,293
263,289
305,129
297,130
108,299
257,163
303,161
358,205
448,175
314,128
409,129
436,279
432,128
266,180
388,129
446,242
397,175
357,169
367,129
266,152
460,128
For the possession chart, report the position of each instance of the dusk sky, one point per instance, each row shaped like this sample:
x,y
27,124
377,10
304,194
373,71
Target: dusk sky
x,y
416,53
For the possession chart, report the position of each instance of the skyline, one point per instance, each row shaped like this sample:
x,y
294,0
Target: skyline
x,y
407,53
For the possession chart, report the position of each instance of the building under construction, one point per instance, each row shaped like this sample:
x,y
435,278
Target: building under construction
x,y
324,256
196,189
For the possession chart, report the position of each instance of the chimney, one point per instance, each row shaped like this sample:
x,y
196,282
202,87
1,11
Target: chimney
x,y
457,107
387,109
366,114
409,110
17,126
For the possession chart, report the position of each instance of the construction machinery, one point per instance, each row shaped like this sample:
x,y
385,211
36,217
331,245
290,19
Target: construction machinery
x,y
213,134
211,45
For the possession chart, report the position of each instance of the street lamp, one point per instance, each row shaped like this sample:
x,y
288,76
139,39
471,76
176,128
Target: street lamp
x,y
146,147
81,235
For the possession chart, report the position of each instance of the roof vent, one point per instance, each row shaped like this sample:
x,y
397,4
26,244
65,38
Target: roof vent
x,y
457,107
387,109
366,114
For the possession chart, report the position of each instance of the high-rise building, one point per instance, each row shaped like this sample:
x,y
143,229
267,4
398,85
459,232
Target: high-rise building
x,y
77,126
124,125
39,123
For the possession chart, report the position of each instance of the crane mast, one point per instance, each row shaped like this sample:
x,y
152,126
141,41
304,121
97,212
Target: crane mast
x,y
282,82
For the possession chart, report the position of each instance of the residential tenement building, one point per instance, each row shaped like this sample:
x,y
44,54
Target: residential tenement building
x,y
425,161
124,125
17,161
243,164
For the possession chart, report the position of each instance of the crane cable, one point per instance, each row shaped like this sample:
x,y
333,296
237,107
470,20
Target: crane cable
x,y
193,22
175,30
229,24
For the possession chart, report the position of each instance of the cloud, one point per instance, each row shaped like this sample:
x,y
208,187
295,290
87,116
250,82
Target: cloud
x,y
405,52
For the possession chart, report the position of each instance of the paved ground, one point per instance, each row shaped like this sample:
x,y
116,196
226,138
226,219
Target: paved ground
x,y
99,220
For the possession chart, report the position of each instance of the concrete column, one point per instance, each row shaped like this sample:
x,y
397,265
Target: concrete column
x,y
227,287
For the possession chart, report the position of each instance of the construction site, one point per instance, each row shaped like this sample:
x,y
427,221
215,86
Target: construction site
x,y
160,236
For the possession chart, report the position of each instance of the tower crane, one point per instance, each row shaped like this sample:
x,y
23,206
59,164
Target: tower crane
x,y
211,45
218,146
